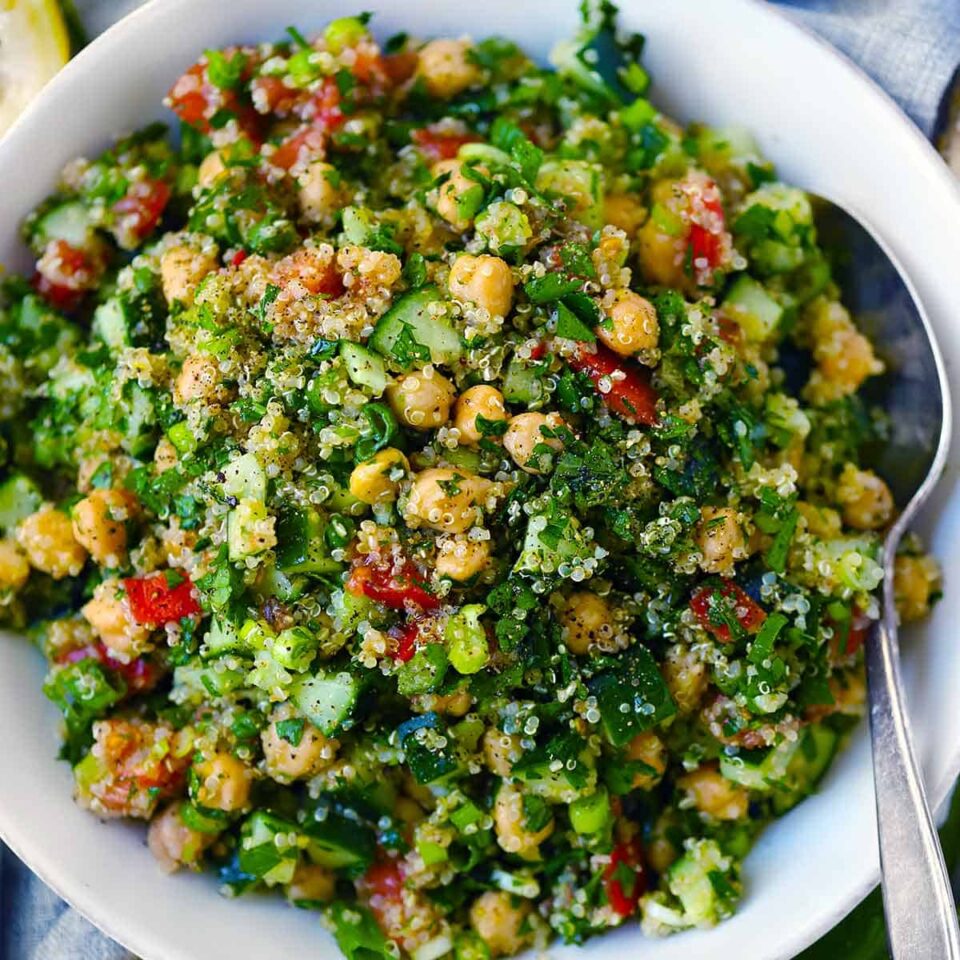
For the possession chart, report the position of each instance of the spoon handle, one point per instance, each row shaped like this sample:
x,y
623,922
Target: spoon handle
x,y
917,900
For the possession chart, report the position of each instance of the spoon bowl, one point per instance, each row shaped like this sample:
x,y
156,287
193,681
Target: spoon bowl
x,y
914,393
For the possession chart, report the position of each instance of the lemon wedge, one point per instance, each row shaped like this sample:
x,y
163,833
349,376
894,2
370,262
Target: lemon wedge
x,y
34,45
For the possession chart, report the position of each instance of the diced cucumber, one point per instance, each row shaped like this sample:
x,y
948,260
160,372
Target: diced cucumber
x,y
140,420
223,637
19,497
337,842
69,222
301,547
703,880
428,761
759,770
245,478
261,856
327,699
364,367
808,764
244,528
110,324
410,319
195,681
581,182
756,312
522,384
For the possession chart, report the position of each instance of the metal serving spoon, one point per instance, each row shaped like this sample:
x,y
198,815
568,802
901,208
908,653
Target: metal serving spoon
x,y
920,911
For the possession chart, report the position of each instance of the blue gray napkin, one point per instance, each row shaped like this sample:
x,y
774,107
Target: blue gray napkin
x,y
910,47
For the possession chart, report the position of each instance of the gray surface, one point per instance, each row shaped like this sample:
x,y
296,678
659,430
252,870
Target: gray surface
x,y
911,47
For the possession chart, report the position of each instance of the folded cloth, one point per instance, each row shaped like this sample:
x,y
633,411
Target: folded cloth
x,y
910,47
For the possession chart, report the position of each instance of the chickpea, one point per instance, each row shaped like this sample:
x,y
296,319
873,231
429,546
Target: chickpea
x,y
484,280
211,169
713,794
500,751
865,499
456,704
311,883
659,849
108,612
479,401
318,192
422,399
843,355
624,210
822,522
378,480
99,525
199,379
509,823
661,249
285,761
649,749
446,198
685,677
447,500
182,267
586,622
165,456
720,538
914,581
14,566
47,538
224,782
631,323
460,558
446,67
524,434
173,843
498,919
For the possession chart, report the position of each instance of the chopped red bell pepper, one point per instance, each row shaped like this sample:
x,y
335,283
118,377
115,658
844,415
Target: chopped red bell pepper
x,y
154,600
396,584
849,635
440,144
139,212
709,604
238,258
625,877
406,637
630,395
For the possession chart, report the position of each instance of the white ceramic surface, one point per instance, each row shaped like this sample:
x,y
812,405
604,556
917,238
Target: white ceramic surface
x,y
725,61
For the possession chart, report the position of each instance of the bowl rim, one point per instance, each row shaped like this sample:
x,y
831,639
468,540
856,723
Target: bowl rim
x,y
84,899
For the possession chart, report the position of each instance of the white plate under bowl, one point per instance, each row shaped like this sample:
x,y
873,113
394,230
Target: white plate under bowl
x,y
724,61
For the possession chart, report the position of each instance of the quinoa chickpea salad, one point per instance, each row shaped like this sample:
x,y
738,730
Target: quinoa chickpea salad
x,y
434,480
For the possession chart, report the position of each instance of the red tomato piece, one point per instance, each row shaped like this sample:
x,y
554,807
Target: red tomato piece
x,y
64,274
399,67
707,231
139,212
440,144
748,613
630,395
272,95
238,258
384,879
309,141
396,585
625,877
195,100
539,351
153,600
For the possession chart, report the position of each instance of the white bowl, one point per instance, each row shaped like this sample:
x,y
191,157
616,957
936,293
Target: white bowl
x,y
725,61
